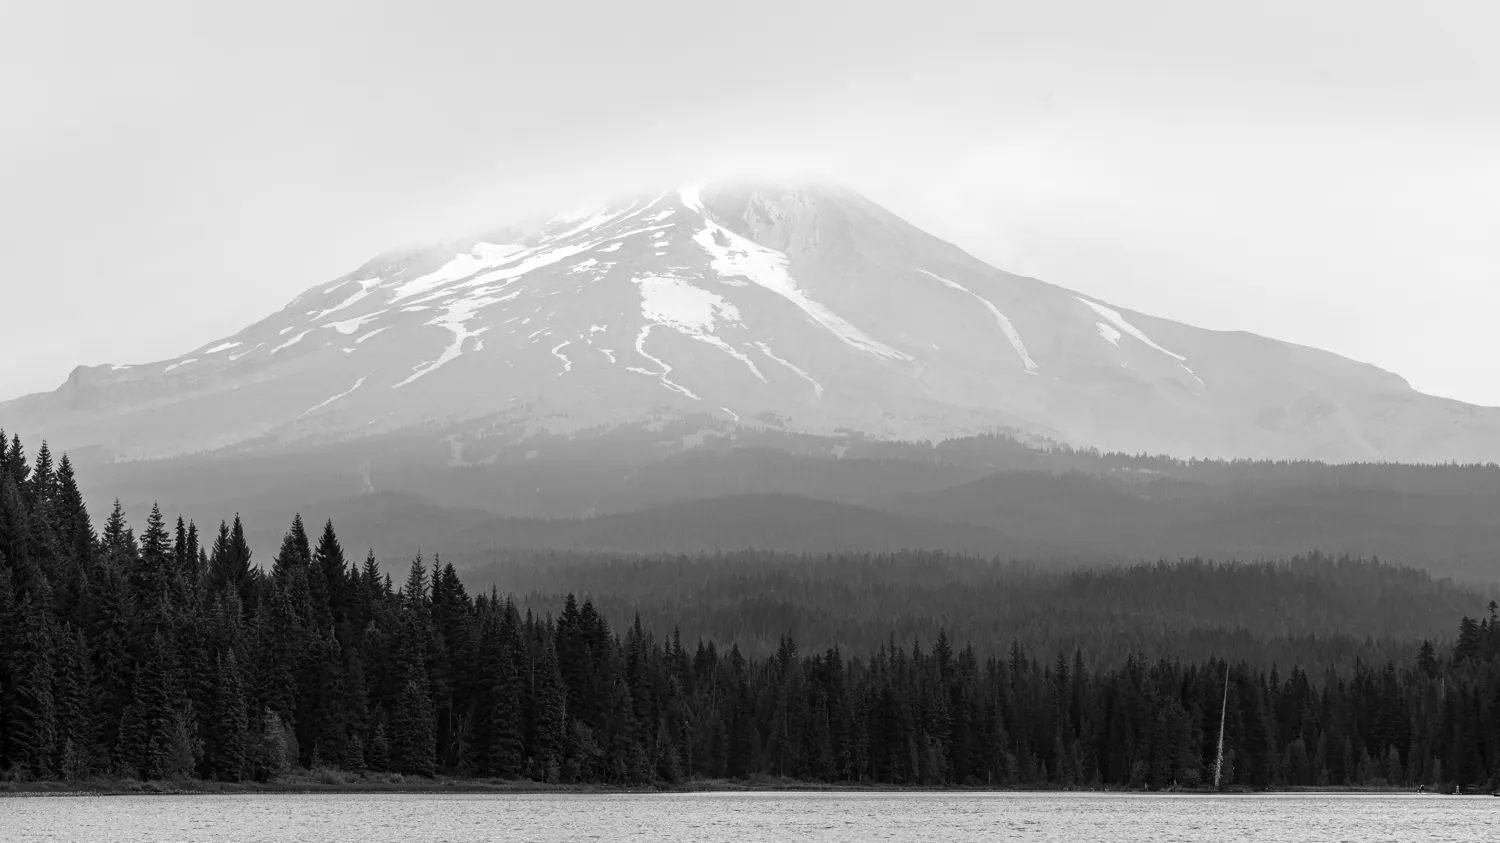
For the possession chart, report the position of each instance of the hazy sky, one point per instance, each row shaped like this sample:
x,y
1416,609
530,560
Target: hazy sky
x,y
1321,172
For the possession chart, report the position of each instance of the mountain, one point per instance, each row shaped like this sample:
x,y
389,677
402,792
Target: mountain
x,y
803,309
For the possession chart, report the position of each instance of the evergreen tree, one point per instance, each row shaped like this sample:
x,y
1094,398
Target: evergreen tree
x,y
506,749
279,644
230,758
152,575
413,741
154,734
77,741
28,705
550,743
329,576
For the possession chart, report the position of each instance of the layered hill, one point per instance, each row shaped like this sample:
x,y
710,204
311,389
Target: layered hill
x,y
802,309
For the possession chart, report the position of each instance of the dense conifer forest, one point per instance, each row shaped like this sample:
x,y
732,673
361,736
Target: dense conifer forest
x,y
1313,610
170,654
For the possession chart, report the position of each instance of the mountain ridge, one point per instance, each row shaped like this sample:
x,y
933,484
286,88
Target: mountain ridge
x,y
807,308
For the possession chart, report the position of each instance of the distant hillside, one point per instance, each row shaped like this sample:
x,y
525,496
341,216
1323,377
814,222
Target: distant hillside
x,y
1448,532
987,495
1310,610
784,523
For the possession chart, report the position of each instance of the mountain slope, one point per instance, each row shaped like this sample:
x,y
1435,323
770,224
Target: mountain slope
x,y
805,308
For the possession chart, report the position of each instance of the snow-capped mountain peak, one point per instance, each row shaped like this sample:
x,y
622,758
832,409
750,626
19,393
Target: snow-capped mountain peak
x,y
805,307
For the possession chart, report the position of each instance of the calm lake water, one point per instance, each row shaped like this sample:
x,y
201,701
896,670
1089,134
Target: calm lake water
x,y
748,818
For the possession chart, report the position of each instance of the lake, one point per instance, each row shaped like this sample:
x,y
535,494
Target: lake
x,y
748,817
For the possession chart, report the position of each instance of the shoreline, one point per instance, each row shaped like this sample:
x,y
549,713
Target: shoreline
x,y
500,787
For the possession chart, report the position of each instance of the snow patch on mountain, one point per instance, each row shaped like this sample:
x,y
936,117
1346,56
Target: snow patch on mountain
x,y
365,286
291,342
557,352
692,197
1119,322
482,256
1011,334
672,301
766,350
372,333
640,348
349,326
725,347
454,318
734,256
320,405
530,264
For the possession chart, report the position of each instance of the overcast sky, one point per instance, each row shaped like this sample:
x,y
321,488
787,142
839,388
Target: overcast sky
x,y
1321,172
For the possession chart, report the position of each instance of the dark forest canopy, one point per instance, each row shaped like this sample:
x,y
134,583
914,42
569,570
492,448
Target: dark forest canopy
x,y
1315,610
167,654
1000,451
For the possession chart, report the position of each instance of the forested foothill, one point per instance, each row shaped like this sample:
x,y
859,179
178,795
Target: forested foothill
x,y
643,491
162,652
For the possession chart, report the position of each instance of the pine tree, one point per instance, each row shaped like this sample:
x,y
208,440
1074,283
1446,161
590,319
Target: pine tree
x,y
273,747
230,759
15,534
329,578
73,697
153,574
329,727
1468,644
116,543
28,706
112,628
506,752
237,564
289,570
378,751
415,589
154,731
413,739
219,576
15,459
80,529
42,485
550,745
279,644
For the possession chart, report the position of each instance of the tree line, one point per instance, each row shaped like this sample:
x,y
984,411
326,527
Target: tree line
x,y
1315,610
170,655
